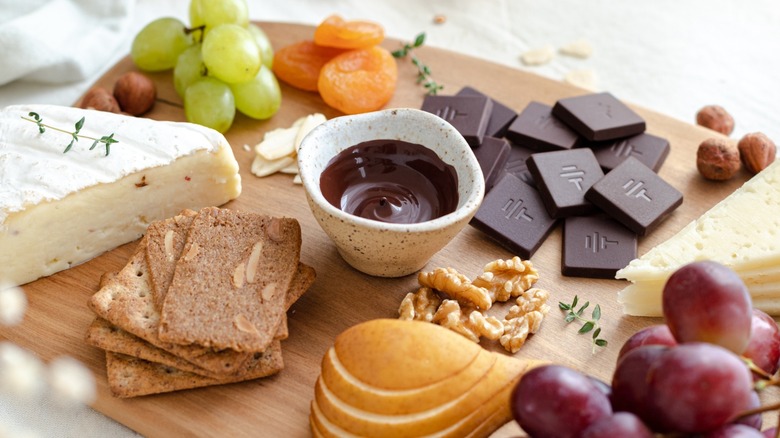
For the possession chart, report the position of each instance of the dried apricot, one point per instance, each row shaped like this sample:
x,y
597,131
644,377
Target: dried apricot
x,y
353,34
299,64
359,81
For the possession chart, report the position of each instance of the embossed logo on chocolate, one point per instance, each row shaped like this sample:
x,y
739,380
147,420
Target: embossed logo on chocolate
x,y
514,210
573,174
597,242
636,189
625,149
449,113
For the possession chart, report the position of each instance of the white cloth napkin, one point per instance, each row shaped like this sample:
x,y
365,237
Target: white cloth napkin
x,y
57,41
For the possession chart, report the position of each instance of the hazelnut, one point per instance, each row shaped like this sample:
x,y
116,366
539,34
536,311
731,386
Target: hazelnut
x,y
717,159
100,99
716,118
135,93
757,151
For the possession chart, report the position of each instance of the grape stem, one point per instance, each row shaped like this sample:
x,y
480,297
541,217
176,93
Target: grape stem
x,y
201,28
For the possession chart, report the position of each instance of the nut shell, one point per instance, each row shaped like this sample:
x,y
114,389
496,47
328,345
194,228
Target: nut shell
x,y
757,151
717,159
100,99
716,118
135,93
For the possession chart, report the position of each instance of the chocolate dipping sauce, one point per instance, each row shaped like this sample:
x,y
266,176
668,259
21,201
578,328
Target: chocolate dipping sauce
x,y
390,181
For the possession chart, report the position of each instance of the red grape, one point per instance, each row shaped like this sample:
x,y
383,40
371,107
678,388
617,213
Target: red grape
x,y
764,346
629,383
770,433
755,421
698,387
622,424
734,431
708,302
654,335
557,402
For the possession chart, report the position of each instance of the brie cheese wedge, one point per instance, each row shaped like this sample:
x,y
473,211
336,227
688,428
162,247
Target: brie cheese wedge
x,y
741,232
59,209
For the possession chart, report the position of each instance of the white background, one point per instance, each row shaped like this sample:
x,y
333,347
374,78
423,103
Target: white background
x,y
670,56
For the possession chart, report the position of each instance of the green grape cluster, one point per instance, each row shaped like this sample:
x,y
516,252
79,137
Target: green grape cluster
x,y
221,63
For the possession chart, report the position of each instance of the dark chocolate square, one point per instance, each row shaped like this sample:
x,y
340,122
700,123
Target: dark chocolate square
x,y
635,195
596,247
500,118
468,114
492,155
651,150
513,215
599,117
517,164
536,128
563,178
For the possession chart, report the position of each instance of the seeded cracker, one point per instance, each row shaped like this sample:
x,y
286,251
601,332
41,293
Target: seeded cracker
x,y
132,377
229,285
126,302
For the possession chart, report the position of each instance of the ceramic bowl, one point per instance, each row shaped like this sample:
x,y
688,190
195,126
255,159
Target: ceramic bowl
x,y
379,248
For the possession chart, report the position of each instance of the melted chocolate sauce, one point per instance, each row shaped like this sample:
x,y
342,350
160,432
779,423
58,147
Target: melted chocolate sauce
x,y
390,181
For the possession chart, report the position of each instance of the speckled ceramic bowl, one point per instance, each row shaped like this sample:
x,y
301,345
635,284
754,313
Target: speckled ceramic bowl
x,y
378,248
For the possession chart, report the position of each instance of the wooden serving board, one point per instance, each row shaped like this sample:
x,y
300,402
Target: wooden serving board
x,y
341,297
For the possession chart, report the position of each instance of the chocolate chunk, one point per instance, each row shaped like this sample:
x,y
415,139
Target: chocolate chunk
x,y
635,195
596,247
536,128
649,149
513,215
500,118
599,116
563,177
517,164
468,114
492,155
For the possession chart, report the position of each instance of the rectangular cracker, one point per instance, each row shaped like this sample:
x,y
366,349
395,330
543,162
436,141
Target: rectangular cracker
x,y
133,377
230,283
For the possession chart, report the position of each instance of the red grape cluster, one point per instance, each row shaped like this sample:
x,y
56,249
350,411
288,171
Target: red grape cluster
x,y
687,377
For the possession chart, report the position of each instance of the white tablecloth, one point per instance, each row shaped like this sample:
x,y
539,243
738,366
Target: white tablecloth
x,y
670,56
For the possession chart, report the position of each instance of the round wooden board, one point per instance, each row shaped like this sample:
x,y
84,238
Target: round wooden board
x,y
341,297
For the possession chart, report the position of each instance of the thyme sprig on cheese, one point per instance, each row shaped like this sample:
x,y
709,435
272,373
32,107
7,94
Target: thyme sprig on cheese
x,y
106,140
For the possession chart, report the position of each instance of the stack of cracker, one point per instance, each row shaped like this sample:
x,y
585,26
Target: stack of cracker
x,y
202,301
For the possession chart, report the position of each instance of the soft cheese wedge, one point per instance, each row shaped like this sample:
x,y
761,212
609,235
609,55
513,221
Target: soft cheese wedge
x,y
388,378
742,232
59,209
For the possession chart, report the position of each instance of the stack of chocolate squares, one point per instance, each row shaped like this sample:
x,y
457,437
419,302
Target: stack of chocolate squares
x,y
586,160
202,301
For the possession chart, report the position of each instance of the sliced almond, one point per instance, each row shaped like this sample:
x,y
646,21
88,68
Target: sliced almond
x,y
538,56
254,260
277,144
309,122
297,180
262,167
275,230
268,291
168,242
243,324
238,276
292,169
192,253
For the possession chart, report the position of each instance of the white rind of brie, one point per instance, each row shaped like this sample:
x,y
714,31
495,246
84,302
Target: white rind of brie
x,y
60,209
742,232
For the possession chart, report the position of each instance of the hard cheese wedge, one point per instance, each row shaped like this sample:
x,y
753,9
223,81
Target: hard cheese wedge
x,y
60,209
742,232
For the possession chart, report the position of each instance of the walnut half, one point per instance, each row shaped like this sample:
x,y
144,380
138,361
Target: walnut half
x,y
524,318
455,285
470,323
420,305
504,279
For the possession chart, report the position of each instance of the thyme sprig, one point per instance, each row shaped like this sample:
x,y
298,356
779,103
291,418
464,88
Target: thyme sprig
x,y
106,140
423,71
573,313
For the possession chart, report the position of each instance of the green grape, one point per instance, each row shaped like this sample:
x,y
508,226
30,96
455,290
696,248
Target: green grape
x,y
212,13
189,68
157,46
259,98
209,102
262,41
230,54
